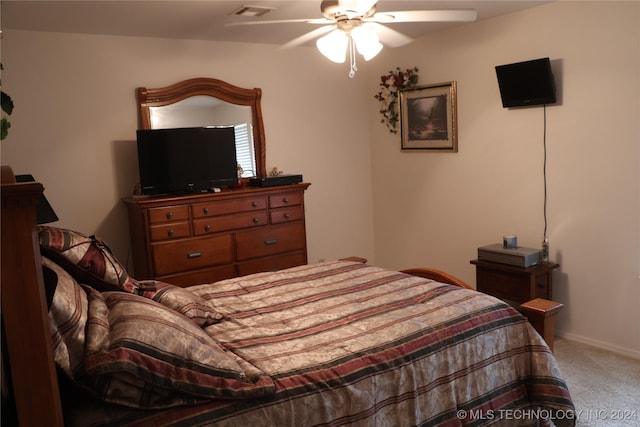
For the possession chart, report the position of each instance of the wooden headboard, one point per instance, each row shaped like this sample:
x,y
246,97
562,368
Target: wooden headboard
x,y
26,331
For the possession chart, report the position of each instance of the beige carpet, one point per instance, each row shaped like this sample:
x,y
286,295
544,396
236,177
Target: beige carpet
x,y
604,386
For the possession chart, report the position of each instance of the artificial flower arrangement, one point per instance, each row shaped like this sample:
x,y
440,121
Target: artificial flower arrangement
x,y
7,109
390,86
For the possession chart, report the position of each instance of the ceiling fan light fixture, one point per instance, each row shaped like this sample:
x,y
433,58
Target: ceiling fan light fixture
x,y
366,41
334,46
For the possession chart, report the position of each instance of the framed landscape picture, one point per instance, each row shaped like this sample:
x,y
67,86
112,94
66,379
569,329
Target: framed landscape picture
x,y
428,118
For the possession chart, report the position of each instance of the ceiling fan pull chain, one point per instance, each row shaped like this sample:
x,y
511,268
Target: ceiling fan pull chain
x,y
352,58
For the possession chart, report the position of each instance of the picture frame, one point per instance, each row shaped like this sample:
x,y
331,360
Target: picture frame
x,y
428,117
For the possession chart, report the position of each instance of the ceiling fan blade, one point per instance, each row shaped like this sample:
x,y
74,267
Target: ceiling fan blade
x,y
462,15
308,36
318,21
391,37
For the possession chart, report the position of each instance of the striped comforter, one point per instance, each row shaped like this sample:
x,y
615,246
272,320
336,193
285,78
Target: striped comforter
x,y
352,344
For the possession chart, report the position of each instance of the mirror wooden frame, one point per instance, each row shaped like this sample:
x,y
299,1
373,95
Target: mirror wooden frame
x,y
156,97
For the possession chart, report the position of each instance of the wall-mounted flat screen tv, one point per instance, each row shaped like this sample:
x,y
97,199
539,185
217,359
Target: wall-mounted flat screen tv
x,y
185,160
526,83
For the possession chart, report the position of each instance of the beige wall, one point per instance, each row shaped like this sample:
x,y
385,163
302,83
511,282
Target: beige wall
x,y
75,120
437,208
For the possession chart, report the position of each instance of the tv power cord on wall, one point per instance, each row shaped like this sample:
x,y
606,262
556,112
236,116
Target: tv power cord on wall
x,y
545,240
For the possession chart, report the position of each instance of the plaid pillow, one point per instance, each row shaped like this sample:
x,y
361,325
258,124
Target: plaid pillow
x,y
67,317
86,258
181,300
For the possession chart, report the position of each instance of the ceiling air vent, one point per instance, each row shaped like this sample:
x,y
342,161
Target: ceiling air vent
x,y
248,10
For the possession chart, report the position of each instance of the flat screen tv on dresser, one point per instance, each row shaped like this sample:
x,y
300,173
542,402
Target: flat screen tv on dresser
x,y
186,160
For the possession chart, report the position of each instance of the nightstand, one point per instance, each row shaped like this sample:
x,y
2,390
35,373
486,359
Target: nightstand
x,y
527,288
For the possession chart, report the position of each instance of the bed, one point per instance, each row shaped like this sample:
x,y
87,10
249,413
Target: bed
x,y
330,344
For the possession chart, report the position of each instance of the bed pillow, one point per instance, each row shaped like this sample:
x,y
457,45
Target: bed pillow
x,y
67,317
86,258
181,300
142,354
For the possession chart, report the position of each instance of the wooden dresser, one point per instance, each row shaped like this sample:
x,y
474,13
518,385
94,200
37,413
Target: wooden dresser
x,y
203,238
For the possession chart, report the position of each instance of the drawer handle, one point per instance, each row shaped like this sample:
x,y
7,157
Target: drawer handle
x,y
256,220
205,211
254,204
287,215
285,200
270,241
196,254
169,215
207,227
171,232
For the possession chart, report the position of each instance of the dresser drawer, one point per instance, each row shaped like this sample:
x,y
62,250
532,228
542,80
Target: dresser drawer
x,y
294,213
168,213
270,240
223,207
274,263
173,230
229,222
182,255
198,277
286,199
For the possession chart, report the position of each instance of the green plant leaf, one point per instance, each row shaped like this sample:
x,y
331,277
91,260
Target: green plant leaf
x,y
4,130
7,103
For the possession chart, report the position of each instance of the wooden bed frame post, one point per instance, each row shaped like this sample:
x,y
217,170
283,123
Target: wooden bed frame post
x,y
24,308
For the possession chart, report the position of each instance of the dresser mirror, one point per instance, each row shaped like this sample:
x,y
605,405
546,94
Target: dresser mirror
x,y
209,102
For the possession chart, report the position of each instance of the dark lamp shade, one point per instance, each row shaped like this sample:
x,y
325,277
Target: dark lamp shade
x,y
44,211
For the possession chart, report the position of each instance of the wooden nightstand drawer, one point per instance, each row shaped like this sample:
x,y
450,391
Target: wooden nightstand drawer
x,y
270,240
513,283
190,254
172,230
503,285
229,222
223,207
542,289
168,213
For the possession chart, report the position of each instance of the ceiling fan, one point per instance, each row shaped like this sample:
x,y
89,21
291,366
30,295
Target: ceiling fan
x,y
355,25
